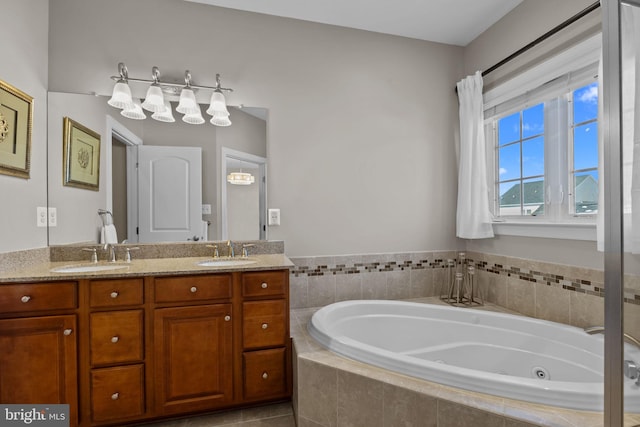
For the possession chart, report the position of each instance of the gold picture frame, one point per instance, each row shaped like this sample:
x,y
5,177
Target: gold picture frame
x,y
81,156
16,122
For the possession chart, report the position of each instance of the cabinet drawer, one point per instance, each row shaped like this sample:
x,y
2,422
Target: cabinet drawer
x,y
264,373
264,283
114,293
264,323
192,288
37,296
116,337
117,393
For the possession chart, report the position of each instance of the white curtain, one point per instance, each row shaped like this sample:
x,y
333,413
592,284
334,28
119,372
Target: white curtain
x,y
630,33
473,217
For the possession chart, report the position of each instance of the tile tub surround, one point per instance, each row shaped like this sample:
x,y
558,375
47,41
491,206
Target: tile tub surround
x,y
330,391
560,293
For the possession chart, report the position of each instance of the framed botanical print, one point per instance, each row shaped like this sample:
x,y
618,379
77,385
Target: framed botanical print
x,y
16,122
81,156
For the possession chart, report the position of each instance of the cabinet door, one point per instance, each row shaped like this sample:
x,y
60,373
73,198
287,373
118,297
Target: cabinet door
x,y
194,364
38,361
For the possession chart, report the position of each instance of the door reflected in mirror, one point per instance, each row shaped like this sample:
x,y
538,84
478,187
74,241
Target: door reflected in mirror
x,y
237,214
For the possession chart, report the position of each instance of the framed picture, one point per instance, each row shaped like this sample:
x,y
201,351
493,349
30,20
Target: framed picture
x,y
16,121
81,156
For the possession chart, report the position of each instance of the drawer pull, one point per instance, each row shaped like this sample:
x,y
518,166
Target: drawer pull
x,y
67,332
264,285
227,318
115,339
265,326
193,289
115,396
115,294
25,299
265,375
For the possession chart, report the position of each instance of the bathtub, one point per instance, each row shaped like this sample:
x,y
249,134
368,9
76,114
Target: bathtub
x,y
496,353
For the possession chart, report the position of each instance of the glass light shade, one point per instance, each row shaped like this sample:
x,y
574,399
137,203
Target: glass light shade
x,y
154,100
135,112
240,178
220,120
164,116
193,119
188,104
217,104
121,96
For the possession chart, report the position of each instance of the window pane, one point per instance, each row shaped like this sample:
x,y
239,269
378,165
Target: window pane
x,y
509,129
533,121
585,103
533,157
509,162
585,146
586,192
510,198
533,197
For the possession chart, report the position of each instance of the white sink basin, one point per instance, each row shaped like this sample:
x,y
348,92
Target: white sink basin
x,y
226,262
88,268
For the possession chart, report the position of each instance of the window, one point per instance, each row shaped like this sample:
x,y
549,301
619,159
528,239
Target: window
x,y
546,156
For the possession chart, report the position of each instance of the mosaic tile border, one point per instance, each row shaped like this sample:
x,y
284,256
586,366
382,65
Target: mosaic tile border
x,y
549,278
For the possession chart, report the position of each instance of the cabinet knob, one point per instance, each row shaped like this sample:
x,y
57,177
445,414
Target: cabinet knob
x,y
25,299
115,396
193,289
67,332
115,294
265,375
227,318
265,326
264,285
115,339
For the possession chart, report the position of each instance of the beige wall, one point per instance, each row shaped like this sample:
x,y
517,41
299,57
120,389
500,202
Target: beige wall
x,y
360,135
24,64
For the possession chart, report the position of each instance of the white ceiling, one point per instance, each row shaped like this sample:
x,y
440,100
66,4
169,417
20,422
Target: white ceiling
x,y
455,22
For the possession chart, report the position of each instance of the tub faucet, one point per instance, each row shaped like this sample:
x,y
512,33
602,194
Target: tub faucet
x,y
600,330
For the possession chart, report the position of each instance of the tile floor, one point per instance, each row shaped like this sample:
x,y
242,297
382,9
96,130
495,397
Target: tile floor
x,y
276,415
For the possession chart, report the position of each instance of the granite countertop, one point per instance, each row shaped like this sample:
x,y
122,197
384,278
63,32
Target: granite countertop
x,y
141,267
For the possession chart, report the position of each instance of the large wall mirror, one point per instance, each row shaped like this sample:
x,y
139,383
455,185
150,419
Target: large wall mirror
x,y
143,183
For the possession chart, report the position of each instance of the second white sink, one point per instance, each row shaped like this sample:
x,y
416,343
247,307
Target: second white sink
x,y
225,262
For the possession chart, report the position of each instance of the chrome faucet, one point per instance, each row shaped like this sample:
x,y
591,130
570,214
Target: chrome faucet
x,y
230,251
600,330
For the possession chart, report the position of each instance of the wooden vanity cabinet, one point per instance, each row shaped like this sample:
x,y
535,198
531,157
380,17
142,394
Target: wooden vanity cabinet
x,y
38,344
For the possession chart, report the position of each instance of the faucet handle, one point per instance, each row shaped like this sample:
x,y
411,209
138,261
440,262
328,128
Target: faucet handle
x,y
94,255
245,251
216,254
127,257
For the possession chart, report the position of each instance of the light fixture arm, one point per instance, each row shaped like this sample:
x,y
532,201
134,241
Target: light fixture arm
x,y
155,72
187,78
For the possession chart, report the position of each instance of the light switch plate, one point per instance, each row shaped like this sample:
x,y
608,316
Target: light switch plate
x,y
274,216
206,209
41,218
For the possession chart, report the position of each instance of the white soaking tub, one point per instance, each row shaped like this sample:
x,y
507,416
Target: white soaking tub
x,y
496,353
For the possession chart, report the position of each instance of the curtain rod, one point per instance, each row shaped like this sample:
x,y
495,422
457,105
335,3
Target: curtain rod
x,y
542,38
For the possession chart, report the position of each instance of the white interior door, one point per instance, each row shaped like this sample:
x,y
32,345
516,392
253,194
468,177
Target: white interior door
x,y
169,193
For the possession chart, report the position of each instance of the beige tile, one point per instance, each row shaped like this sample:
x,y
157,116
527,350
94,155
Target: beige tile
x,y
403,407
398,284
422,283
305,422
508,422
552,303
317,392
455,415
279,421
322,290
586,310
521,296
440,277
494,287
348,287
267,411
374,285
632,320
359,401
299,291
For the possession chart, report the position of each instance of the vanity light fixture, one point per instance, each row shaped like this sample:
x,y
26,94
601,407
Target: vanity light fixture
x,y
156,103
